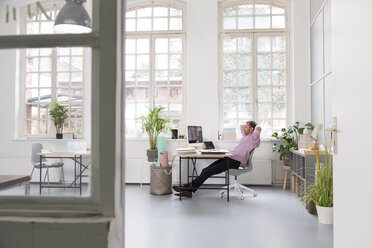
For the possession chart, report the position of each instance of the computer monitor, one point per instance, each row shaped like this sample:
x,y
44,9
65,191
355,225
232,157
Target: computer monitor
x,y
195,134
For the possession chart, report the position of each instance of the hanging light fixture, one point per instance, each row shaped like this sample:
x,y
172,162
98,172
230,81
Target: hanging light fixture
x,y
73,18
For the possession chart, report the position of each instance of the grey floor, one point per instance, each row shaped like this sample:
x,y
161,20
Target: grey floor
x,y
34,191
274,219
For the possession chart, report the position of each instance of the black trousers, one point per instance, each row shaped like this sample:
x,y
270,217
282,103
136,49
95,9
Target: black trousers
x,y
215,168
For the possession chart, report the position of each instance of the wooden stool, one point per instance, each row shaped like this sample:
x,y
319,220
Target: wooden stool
x,y
286,168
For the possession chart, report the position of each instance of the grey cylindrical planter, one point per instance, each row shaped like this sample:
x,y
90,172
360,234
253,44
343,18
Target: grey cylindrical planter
x,y
152,155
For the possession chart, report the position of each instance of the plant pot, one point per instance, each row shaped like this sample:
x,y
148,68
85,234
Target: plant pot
x,y
307,131
152,155
325,215
59,136
311,208
174,133
287,162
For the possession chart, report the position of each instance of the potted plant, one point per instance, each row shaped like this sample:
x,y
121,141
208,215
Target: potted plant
x,y
290,137
321,192
59,116
154,123
308,128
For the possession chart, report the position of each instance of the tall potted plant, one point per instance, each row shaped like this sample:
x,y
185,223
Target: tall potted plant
x,y
290,137
59,116
154,123
321,192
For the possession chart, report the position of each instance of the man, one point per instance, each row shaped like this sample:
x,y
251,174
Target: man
x,y
239,157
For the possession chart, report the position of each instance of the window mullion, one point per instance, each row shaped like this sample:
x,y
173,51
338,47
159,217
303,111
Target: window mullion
x,y
54,80
254,79
135,84
236,82
168,79
152,72
39,95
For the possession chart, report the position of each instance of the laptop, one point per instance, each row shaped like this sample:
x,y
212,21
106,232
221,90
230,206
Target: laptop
x,y
208,145
210,149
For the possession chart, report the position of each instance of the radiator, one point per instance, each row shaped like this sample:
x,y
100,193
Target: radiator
x,y
260,175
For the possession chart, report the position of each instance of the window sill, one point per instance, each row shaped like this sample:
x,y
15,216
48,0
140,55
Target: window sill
x,y
46,139
147,139
262,140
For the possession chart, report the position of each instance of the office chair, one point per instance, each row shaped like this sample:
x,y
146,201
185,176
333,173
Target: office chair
x,y
237,172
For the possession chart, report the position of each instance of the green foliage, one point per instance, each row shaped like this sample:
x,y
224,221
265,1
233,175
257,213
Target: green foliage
x,y
321,193
154,124
290,137
59,116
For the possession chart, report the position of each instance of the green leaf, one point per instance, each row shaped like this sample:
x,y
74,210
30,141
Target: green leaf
x,y
154,124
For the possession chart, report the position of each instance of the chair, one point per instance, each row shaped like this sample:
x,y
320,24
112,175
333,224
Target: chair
x,y
35,160
237,172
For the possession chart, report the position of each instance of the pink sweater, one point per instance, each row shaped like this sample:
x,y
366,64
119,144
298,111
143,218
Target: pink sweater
x,y
245,145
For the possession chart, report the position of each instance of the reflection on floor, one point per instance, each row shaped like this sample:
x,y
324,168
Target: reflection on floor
x,y
34,191
274,219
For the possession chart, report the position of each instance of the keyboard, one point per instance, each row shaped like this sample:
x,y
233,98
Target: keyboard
x,y
214,151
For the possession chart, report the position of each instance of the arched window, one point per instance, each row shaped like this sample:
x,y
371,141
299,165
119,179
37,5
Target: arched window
x,y
154,63
49,75
254,15
254,64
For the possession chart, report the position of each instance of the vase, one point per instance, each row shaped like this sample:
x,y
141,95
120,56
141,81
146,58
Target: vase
x,y
325,215
152,155
59,136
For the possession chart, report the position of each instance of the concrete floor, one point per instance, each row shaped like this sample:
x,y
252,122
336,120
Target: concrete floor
x,y
34,191
274,219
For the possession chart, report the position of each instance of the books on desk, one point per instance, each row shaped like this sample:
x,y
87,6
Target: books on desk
x,y
185,151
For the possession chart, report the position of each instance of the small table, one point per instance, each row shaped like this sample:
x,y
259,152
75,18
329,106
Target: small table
x,y
77,157
194,157
7,181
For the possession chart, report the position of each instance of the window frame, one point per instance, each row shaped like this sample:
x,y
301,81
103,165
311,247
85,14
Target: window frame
x,y
22,127
107,154
152,35
254,33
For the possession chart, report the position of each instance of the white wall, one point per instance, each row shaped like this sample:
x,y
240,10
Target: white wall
x,y
300,44
201,88
202,101
351,74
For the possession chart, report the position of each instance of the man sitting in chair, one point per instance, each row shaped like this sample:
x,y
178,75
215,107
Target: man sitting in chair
x,y
239,157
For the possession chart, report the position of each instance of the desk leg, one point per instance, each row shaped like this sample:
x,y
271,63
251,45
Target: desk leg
x,y
228,181
194,171
180,174
75,171
27,188
188,170
41,159
81,160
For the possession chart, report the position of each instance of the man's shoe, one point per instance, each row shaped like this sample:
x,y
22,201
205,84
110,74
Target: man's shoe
x,y
179,188
185,193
